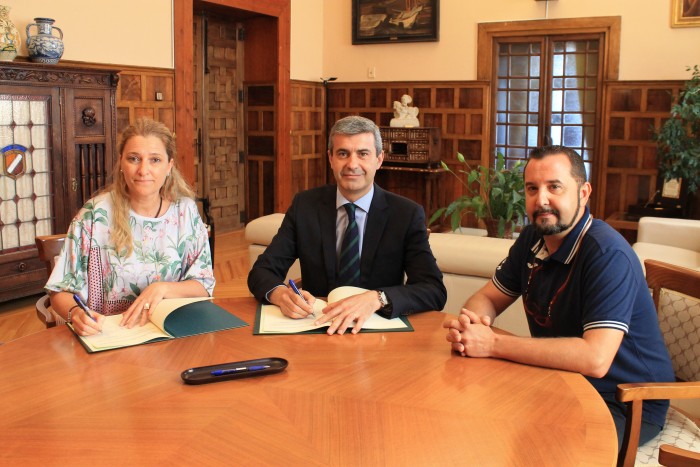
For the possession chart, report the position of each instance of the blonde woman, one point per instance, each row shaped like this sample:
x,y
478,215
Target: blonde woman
x,y
137,242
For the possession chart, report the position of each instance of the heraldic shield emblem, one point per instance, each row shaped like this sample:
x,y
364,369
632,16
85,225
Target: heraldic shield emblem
x,y
13,160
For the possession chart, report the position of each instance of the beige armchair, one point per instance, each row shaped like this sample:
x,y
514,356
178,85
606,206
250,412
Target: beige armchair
x,y
259,233
674,241
677,298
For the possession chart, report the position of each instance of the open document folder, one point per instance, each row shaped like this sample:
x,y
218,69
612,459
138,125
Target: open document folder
x,y
172,318
270,320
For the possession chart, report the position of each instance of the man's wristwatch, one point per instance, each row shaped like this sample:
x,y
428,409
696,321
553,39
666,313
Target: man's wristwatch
x,y
385,309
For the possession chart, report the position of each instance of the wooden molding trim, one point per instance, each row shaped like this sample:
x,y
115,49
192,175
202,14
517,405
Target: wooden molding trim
x,y
61,74
610,26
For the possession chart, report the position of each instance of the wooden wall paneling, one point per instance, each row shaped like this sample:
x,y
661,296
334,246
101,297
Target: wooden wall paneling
x,y
308,129
261,146
267,59
628,157
137,96
459,108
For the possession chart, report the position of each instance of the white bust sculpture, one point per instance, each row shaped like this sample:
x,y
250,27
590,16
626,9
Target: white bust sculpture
x,y
405,116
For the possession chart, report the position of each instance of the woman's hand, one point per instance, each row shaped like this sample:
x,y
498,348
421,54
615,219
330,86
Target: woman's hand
x,y
84,325
145,303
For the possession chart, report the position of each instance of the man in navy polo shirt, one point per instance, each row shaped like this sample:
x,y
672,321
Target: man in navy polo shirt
x,y
588,306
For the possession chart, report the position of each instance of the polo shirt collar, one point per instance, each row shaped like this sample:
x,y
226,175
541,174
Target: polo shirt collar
x,y
571,244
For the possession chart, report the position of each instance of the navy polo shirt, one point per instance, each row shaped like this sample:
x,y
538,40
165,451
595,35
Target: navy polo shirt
x,y
594,280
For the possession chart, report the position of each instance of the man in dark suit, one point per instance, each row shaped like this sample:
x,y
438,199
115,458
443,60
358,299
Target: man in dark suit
x,y
393,242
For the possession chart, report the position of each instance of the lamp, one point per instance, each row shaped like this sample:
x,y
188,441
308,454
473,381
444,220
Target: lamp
x,y
325,103
325,111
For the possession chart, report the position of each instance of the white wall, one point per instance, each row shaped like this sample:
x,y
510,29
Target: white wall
x,y
307,40
127,32
650,48
140,32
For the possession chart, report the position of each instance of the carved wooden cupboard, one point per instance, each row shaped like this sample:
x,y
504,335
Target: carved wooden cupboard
x,y
57,138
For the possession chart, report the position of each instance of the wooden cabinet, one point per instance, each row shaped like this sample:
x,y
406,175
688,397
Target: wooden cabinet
x,y
411,166
57,139
418,147
421,185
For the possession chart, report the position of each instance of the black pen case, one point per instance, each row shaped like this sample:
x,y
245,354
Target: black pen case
x,y
207,374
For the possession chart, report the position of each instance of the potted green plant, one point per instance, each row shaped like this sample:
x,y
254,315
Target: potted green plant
x,y
678,139
498,199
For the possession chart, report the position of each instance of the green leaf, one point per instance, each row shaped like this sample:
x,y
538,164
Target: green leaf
x,y
489,192
135,289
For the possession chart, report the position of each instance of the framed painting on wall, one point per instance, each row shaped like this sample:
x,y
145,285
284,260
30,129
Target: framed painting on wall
x,y
382,21
685,13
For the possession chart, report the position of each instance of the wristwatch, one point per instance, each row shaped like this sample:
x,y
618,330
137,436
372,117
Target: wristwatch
x,y
384,301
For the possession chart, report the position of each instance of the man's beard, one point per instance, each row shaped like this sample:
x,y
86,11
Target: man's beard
x,y
558,227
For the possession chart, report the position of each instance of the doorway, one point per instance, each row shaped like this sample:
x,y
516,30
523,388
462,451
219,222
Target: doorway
x,y
219,117
266,58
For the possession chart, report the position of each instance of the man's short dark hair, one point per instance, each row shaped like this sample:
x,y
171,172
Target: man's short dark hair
x,y
578,169
355,125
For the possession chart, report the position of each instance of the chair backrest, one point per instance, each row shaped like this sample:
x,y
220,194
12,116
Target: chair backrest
x,y
677,298
205,213
49,247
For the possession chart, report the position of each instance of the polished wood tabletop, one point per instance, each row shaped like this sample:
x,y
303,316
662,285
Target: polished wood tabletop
x,y
398,398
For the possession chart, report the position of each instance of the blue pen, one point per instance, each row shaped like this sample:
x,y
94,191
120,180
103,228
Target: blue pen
x,y
228,371
84,307
296,291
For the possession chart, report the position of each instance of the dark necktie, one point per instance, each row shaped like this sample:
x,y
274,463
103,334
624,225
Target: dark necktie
x,y
349,264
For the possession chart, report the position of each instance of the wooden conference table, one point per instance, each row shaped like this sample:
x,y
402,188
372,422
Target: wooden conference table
x,y
369,399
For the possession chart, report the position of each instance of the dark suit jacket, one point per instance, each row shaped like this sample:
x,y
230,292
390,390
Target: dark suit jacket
x,y
395,242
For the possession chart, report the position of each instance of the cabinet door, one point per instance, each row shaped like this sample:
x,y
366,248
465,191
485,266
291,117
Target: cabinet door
x,y
89,144
30,180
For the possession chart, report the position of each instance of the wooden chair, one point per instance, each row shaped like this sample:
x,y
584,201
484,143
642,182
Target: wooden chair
x,y
49,247
205,213
676,293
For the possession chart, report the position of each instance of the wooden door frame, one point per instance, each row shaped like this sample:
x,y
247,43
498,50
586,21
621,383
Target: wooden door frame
x,y
184,82
609,26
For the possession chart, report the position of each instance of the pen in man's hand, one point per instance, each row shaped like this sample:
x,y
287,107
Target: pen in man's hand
x,y
84,307
296,291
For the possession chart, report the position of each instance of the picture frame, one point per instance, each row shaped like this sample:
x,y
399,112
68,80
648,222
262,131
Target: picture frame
x,y
685,13
386,21
672,188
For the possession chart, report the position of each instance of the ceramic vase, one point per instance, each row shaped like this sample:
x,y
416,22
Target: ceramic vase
x,y
9,36
44,47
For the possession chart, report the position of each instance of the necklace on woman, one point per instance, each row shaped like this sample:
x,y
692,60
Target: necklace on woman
x,y
160,206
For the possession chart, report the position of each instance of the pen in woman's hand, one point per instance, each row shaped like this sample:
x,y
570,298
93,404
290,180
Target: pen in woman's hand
x,y
296,291
84,307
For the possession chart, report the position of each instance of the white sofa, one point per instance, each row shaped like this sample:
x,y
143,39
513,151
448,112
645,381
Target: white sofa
x,y
259,233
466,261
675,241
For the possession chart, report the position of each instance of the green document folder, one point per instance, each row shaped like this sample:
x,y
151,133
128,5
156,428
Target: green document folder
x,y
172,319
